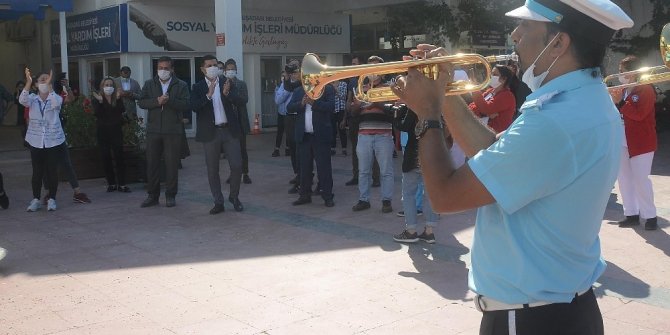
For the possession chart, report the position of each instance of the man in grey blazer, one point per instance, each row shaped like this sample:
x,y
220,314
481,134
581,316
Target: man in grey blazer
x,y
212,100
166,99
240,98
130,91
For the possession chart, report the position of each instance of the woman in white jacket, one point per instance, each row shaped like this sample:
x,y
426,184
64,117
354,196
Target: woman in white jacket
x,y
44,135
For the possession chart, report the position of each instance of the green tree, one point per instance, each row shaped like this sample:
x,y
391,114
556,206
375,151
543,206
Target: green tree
x,y
639,45
448,19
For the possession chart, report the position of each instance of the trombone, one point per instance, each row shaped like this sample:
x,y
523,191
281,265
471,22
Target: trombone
x,y
648,75
315,75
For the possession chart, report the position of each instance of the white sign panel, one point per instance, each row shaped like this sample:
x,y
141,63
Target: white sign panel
x,y
167,28
295,32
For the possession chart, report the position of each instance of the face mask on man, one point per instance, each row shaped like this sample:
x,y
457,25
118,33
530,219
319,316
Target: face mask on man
x,y
164,74
43,88
212,72
230,74
108,90
529,78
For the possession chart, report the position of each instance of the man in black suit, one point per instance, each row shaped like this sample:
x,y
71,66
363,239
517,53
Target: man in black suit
x,y
218,127
313,132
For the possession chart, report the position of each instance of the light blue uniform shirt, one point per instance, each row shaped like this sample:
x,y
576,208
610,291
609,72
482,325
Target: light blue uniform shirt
x,y
551,174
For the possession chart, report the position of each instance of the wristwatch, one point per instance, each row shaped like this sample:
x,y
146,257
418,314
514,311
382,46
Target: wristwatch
x,y
423,125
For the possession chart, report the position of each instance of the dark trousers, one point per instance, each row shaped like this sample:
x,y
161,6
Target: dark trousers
x,y
280,131
335,119
169,148
245,155
223,139
64,162
581,316
312,150
289,127
353,137
110,141
45,168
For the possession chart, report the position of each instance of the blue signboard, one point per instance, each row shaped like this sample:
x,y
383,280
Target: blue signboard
x,y
98,32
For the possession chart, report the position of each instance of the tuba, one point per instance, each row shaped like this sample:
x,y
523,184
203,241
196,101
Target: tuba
x,y
315,75
648,75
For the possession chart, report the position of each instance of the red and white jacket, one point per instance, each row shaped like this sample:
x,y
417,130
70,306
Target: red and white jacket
x,y
639,119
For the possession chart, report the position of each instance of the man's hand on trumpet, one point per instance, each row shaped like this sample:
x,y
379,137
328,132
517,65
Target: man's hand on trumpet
x,y
421,94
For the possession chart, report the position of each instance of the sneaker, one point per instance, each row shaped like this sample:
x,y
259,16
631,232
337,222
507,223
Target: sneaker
x,y
81,198
34,206
124,189
275,153
294,190
4,200
402,213
149,201
352,182
406,237
631,220
386,206
651,224
361,205
51,205
428,238
3,253
170,202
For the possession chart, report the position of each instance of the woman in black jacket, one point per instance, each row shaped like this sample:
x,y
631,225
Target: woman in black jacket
x,y
109,111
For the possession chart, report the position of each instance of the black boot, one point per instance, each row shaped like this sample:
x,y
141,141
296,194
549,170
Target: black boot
x,y
651,224
632,220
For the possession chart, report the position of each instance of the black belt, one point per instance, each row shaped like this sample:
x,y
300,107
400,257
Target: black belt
x,y
223,125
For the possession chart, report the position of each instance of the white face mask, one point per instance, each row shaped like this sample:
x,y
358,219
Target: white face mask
x,y
230,74
529,78
164,74
108,90
624,80
495,81
43,88
212,72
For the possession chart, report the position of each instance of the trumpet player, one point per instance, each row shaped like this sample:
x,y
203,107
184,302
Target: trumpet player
x,y
636,105
542,185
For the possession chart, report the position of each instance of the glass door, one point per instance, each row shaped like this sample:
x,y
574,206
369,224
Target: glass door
x,y
271,68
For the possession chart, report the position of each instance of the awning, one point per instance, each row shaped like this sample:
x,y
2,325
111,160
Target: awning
x,y
14,9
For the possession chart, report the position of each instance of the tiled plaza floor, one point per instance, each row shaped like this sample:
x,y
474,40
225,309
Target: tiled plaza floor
x,y
110,267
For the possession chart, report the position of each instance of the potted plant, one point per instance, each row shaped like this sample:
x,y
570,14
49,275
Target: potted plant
x,y
79,124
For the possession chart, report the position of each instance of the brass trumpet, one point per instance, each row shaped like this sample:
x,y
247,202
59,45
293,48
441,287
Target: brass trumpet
x,y
648,75
315,75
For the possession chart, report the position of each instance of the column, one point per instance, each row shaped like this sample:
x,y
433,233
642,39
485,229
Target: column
x,y
63,44
229,22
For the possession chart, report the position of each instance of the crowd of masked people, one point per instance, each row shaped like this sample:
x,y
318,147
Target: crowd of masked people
x,y
311,127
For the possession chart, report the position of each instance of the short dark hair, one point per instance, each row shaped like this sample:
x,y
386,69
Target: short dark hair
x,y
206,58
230,61
165,59
355,57
588,53
125,68
219,62
375,59
630,63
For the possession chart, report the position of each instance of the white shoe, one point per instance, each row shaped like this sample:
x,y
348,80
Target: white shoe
x,y
3,253
51,205
34,206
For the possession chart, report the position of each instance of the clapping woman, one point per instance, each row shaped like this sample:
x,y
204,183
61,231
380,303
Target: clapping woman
x,y
497,102
108,108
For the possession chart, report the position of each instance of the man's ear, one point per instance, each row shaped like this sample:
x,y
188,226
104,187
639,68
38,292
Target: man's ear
x,y
561,45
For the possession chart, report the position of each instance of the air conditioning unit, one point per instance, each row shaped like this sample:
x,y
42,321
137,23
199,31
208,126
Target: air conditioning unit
x,y
23,29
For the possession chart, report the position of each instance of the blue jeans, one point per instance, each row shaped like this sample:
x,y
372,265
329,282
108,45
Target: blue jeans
x,y
410,183
370,147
